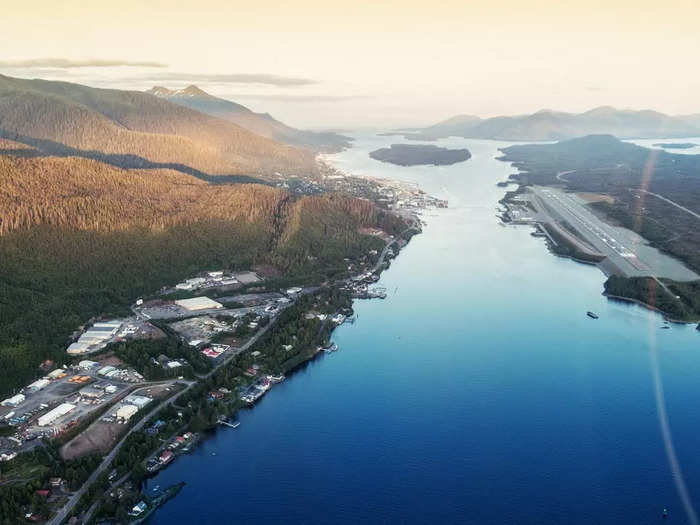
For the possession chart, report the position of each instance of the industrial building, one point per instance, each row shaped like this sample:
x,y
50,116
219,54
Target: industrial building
x,y
125,412
198,303
95,338
137,401
106,371
38,385
14,401
53,415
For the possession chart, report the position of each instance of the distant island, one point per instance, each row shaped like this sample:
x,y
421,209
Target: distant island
x,y
675,145
420,154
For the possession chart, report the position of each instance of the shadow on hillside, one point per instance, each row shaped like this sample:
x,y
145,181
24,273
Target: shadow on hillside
x,y
49,148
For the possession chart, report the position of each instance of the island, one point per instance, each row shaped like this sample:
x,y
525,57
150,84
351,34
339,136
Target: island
x,y
420,154
675,145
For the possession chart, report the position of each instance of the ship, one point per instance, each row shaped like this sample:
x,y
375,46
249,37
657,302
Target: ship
x,y
592,315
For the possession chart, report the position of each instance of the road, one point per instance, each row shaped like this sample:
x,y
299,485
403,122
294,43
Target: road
x,y
670,202
64,512
75,497
380,261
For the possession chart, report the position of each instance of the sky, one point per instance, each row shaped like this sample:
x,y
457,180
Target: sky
x,y
342,65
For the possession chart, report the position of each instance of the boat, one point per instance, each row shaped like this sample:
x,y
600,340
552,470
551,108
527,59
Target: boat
x,y
592,315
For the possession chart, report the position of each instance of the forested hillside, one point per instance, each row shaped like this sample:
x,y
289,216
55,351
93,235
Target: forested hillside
x,y
136,130
79,238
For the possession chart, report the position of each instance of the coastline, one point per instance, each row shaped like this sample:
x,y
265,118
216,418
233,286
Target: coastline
x,y
391,249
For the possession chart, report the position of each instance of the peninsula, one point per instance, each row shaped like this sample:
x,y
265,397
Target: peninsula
x,y
420,154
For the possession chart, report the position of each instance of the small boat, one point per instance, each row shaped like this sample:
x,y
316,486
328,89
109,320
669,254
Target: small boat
x,y
592,315
665,327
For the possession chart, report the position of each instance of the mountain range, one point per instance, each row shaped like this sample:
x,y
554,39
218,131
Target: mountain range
x,y
262,124
131,129
556,125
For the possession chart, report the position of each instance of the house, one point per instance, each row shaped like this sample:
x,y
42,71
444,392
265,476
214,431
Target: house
x,y
166,457
55,482
138,509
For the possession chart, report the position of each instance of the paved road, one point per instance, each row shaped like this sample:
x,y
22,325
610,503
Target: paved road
x,y
670,202
73,500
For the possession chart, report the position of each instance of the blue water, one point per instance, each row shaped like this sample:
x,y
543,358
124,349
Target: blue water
x,y
477,392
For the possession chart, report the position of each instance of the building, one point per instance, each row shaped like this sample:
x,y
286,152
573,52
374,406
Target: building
x,y
53,415
294,291
138,401
166,457
87,364
125,412
57,374
110,389
78,348
247,277
198,303
14,400
105,370
38,385
138,509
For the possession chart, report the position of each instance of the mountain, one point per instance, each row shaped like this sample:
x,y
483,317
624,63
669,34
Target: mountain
x,y
137,130
262,124
80,237
693,120
556,125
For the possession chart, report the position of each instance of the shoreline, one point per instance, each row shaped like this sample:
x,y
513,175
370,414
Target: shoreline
x,y
650,307
391,249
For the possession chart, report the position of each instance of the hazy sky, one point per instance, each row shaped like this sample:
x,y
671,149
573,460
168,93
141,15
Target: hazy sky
x,y
346,64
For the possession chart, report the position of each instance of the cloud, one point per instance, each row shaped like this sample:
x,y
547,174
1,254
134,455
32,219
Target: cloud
x,y
236,78
65,63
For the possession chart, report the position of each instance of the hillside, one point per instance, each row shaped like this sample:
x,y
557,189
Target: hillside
x,y
261,124
554,125
137,130
79,237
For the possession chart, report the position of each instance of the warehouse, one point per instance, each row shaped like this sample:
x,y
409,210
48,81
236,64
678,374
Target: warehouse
x,y
78,348
105,370
53,415
38,385
138,401
14,401
198,303
57,374
125,412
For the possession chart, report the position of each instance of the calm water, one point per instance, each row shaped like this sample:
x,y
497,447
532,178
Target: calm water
x,y
477,392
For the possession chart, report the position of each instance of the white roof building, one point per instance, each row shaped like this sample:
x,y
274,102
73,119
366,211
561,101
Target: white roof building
x,y
138,401
79,347
14,400
198,303
105,370
53,415
126,411
38,385
55,374
85,363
